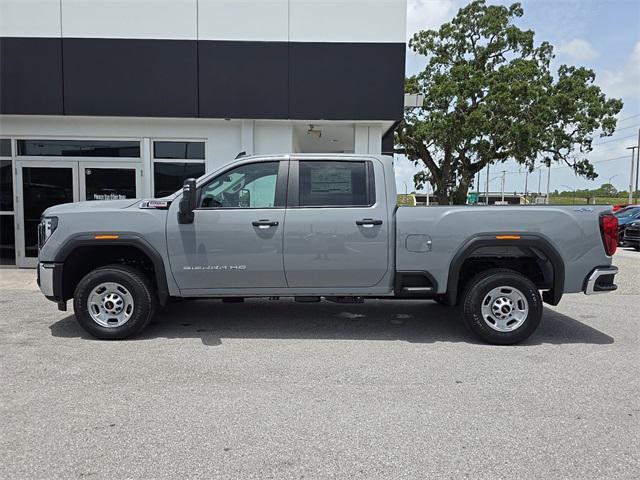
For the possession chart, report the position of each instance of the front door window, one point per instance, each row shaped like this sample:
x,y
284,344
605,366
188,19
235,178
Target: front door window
x,y
247,186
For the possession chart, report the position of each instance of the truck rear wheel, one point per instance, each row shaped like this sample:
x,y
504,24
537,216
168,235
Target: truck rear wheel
x,y
114,302
501,306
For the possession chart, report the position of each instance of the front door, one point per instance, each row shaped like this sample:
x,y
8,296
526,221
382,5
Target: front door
x,y
40,185
337,228
235,240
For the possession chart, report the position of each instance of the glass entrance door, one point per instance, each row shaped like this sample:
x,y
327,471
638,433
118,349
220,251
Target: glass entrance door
x,y
109,181
40,186
44,184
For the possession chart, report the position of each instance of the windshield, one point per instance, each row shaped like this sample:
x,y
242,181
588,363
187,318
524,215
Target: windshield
x,y
627,212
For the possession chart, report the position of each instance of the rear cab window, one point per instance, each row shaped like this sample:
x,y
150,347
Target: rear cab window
x,y
335,184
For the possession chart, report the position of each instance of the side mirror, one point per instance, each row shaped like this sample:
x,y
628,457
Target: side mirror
x,y
188,202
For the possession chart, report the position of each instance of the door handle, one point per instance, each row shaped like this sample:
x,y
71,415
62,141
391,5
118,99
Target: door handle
x,y
264,223
368,222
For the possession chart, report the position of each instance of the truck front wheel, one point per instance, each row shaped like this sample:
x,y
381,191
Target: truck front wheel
x,y
114,302
502,307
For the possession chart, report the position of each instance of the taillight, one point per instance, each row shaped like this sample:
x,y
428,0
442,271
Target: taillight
x,y
609,232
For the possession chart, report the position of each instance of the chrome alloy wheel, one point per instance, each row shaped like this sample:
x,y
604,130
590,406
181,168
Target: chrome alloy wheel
x,y
110,305
504,309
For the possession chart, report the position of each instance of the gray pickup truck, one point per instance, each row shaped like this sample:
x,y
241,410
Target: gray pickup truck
x,y
313,227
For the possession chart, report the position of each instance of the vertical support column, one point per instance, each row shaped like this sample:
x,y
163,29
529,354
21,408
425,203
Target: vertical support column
x,y
246,136
368,139
147,168
375,140
361,143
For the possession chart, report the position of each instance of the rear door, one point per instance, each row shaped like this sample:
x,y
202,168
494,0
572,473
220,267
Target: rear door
x,y
337,227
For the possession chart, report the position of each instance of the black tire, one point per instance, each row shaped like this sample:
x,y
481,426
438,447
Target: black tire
x,y
637,247
479,287
138,286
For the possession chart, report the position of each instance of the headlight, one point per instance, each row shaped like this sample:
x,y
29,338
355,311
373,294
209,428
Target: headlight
x,y
46,228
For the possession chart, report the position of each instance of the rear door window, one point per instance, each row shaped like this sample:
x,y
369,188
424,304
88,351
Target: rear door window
x,y
335,184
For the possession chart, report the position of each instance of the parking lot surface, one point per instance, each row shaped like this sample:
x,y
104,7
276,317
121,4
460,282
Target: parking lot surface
x,y
278,389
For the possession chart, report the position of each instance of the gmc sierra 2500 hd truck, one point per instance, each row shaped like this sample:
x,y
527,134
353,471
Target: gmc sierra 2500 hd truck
x,y
313,227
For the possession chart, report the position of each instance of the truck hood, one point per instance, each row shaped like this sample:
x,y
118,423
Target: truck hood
x,y
94,205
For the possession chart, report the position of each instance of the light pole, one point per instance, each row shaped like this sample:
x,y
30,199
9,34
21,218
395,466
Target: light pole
x,y
638,161
486,196
633,151
539,180
406,189
609,182
504,172
548,183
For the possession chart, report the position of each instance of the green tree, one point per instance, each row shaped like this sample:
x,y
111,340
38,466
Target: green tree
x,y
606,190
489,96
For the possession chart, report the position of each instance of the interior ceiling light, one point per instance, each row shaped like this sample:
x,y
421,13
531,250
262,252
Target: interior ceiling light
x,y
313,131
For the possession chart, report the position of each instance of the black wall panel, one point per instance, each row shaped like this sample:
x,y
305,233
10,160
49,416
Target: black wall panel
x,y
31,76
130,77
214,79
243,79
346,81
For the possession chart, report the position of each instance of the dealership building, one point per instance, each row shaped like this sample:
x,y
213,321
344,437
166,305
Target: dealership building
x,y
109,99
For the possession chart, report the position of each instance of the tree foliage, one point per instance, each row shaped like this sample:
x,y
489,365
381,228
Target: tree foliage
x,y
490,95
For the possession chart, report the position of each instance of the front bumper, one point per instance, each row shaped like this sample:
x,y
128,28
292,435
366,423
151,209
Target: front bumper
x,y
50,281
600,280
632,236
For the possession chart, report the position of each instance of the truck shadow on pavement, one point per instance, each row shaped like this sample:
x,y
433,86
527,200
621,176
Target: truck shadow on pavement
x,y
412,321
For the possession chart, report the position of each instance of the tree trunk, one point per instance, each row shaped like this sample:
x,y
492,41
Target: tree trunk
x,y
459,197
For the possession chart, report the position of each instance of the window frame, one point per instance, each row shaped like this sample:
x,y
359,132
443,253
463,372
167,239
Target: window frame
x,y
155,160
10,156
293,197
78,139
181,140
13,178
280,200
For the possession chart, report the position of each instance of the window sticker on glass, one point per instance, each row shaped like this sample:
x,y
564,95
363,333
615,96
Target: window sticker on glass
x,y
336,180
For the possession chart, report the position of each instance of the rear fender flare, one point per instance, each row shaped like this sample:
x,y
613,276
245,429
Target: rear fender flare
x,y
551,296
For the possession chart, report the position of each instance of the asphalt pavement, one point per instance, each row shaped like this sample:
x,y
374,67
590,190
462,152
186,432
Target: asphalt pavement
x,y
282,390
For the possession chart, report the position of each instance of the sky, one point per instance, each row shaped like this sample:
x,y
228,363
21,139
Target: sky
x,y
603,35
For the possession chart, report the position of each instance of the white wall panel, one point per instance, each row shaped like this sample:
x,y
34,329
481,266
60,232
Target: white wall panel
x,y
259,20
348,20
273,137
30,18
162,19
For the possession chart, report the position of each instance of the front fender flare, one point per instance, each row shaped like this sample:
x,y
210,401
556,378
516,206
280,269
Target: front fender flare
x,y
126,239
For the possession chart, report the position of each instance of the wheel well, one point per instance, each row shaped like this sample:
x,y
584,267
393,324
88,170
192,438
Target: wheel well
x,y
84,259
529,261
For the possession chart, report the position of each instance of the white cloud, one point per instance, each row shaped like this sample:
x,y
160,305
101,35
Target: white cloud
x,y
624,82
405,170
429,14
578,50
426,15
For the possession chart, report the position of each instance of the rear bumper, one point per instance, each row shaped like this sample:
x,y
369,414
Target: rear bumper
x,y
600,280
